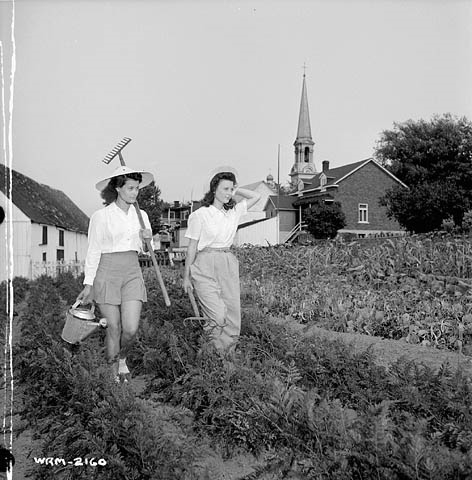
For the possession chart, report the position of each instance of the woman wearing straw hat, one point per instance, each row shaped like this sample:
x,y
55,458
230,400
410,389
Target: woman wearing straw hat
x,y
113,278
210,268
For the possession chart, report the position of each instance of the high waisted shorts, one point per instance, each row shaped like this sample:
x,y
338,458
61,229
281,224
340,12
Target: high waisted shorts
x,y
119,279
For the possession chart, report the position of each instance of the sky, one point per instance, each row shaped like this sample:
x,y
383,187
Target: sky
x,y
197,85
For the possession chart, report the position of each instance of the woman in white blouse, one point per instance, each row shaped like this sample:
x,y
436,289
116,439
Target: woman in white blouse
x,y
210,268
113,278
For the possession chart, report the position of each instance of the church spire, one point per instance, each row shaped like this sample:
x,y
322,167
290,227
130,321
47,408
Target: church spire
x,y
303,168
304,128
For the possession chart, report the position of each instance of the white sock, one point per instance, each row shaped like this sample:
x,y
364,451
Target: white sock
x,y
122,367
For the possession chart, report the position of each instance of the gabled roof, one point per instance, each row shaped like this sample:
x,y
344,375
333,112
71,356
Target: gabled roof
x,y
283,202
337,175
253,186
41,203
252,222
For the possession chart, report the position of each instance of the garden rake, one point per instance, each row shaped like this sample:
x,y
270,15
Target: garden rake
x,y
117,152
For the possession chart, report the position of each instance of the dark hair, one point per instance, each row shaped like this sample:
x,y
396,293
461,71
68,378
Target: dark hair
x,y
209,197
109,193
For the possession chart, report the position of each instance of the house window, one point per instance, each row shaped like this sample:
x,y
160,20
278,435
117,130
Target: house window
x,y
363,213
322,180
61,238
59,255
45,235
44,256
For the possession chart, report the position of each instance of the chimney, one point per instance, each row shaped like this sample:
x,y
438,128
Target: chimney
x,y
325,165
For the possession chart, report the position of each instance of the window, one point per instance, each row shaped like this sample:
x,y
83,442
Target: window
x,y
45,235
61,238
322,180
307,154
44,256
363,213
59,255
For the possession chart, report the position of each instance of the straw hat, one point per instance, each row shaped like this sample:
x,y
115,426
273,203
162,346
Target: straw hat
x,y
124,170
223,168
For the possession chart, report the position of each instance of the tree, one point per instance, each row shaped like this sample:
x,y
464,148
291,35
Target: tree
x,y
325,219
149,201
435,160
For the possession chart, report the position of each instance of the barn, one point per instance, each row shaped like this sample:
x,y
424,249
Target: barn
x,y
44,230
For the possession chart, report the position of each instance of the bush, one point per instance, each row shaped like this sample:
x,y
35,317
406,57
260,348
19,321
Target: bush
x,y
325,219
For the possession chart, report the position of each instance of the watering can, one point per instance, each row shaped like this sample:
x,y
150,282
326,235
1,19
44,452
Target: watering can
x,y
80,324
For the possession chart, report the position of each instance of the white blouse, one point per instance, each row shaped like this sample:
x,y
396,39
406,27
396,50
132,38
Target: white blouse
x,y
213,227
112,230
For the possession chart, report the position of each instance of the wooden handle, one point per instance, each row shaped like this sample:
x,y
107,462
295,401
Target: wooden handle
x,y
148,243
194,303
153,258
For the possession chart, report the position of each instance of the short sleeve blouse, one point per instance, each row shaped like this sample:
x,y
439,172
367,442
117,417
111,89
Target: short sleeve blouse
x,y
215,228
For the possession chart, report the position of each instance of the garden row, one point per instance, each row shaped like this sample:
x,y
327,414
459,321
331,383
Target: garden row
x,y
418,289
311,408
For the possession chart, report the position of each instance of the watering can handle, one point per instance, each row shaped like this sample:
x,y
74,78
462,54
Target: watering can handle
x,y
77,303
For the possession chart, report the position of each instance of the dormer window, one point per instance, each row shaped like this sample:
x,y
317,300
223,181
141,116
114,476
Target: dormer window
x,y
323,180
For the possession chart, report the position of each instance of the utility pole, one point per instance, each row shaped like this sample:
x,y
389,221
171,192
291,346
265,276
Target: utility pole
x,y
278,195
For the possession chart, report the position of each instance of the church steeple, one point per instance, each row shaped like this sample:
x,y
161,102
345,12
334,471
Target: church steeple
x,y
303,167
304,127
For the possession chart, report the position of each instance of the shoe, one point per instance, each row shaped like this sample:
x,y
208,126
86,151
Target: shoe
x,y
121,378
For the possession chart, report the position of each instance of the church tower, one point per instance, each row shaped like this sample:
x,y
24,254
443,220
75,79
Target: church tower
x,y
303,169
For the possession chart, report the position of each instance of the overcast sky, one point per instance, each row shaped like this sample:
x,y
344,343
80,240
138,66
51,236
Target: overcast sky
x,y
202,84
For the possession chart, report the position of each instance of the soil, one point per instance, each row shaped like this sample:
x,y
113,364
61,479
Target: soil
x,y
388,351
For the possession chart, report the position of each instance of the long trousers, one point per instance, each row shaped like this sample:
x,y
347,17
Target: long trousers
x,y
215,278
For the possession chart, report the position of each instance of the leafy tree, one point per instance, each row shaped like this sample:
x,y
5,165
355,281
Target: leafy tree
x,y
149,201
434,158
325,219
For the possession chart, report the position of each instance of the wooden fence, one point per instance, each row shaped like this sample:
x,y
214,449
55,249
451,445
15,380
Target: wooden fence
x,y
52,269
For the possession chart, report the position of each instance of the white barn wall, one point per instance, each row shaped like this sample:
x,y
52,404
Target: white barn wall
x,y
73,242
261,233
21,238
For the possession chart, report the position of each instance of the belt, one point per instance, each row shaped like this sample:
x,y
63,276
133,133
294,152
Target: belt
x,y
210,249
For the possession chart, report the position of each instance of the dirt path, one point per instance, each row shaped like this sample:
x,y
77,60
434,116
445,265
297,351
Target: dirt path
x,y
387,351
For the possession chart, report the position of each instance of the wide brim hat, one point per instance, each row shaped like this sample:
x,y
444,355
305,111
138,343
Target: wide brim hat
x,y
147,177
223,168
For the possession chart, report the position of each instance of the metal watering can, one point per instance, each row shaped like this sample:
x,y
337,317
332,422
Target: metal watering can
x,y
80,324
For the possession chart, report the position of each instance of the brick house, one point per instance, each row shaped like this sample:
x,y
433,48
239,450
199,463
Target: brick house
x,y
358,188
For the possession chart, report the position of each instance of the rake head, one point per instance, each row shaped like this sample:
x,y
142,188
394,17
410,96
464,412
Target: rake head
x,y
116,151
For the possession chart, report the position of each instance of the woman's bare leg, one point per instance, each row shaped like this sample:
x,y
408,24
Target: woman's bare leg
x,y
130,313
112,314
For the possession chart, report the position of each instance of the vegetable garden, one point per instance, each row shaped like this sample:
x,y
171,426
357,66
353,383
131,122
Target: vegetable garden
x,y
300,406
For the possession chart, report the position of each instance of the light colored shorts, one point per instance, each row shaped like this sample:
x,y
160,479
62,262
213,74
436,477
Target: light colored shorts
x,y
119,279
